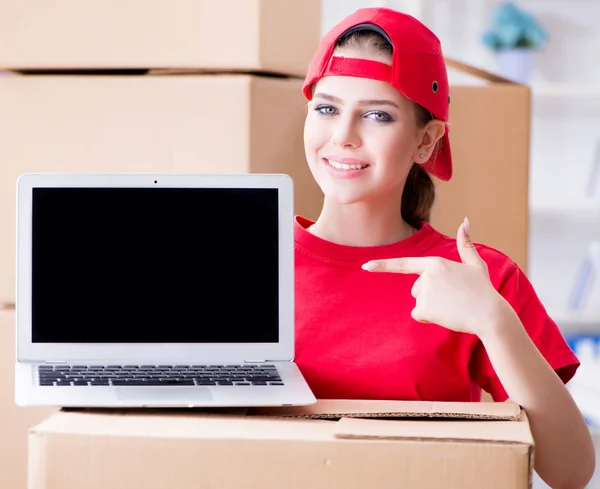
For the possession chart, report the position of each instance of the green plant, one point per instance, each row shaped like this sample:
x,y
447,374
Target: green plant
x,y
513,28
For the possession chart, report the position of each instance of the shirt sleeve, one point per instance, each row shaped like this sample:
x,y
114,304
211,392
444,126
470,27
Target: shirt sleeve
x,y
544,332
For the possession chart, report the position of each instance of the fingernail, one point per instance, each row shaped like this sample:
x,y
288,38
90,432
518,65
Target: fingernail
x,y
370,266
467,227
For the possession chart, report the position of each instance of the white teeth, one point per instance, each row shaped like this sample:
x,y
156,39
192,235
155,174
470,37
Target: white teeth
x,y
342,166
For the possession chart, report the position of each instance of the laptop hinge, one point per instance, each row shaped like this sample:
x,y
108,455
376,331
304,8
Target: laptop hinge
x,y
255,361
54,361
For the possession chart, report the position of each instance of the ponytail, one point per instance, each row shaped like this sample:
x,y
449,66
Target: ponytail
x,y
418,196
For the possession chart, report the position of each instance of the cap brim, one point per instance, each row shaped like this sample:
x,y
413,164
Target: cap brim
x,y
440,165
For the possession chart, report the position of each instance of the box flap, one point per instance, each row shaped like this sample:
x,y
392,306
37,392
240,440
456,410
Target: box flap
x,y
477,72
446,430
338,408
217,71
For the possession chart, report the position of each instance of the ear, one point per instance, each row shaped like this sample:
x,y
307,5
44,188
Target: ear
x,y
429,136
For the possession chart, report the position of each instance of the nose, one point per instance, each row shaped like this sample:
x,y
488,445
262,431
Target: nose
x,y
345,133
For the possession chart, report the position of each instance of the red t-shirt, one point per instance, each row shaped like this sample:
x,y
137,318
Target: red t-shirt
x,y
356,339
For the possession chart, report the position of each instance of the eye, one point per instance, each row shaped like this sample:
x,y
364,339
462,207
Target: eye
x,y
326,110
379,116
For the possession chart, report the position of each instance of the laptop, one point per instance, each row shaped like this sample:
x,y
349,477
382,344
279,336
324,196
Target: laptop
x,y
156,291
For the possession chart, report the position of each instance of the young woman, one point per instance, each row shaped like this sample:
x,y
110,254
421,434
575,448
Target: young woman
x,y
387,307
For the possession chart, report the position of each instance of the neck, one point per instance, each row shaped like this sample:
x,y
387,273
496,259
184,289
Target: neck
x,y
361,224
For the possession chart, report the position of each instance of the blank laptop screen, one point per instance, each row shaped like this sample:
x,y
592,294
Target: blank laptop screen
x,y
155,265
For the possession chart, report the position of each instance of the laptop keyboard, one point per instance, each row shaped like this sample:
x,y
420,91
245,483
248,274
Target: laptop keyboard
x,y
151,375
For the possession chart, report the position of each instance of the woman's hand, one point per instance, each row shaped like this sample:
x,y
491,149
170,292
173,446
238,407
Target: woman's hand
x,y
458,296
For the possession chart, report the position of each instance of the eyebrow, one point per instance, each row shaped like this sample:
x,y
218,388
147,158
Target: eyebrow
x,y
337,100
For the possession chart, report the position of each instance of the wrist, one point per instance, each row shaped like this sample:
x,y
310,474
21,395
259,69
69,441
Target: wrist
x,y
502,322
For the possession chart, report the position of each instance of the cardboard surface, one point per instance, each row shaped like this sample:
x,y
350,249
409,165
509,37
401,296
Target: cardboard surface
x,y
489,137
338,408
251,35
137,448
15,421
146,124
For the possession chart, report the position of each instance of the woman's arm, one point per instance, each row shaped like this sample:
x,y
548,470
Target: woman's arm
x,y
460,297
564,451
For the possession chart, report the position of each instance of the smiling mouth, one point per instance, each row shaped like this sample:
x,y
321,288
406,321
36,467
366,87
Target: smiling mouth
x,y
342,166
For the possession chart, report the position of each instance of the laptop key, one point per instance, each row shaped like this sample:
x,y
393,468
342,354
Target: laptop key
x,y
263,379
99,382
49,377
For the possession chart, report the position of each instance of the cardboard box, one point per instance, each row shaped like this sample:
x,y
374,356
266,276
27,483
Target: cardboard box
x,y
489,137
334,444
16,421
169,124
251,35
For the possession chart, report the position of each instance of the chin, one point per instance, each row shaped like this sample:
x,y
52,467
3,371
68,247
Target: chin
x,y
344,196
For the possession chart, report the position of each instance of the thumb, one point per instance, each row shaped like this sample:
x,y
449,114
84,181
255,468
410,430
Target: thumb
x,y
466,249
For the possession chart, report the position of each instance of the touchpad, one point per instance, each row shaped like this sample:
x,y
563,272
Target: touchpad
x,y
167,393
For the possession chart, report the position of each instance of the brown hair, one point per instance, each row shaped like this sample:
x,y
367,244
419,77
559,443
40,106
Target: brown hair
x,y
419,191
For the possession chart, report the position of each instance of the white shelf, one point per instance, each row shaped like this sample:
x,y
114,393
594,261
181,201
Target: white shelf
x,y
573,208
566,89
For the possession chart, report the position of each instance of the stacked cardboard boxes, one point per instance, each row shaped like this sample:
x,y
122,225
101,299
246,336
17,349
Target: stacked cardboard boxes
x,y
134,86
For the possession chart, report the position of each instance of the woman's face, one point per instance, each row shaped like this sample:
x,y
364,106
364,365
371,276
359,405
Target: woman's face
x,y
361,138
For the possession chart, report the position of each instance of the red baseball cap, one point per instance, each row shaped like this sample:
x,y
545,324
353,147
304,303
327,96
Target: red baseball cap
x,y
418,69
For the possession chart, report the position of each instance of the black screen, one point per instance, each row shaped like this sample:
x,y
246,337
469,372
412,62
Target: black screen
x,y
155,265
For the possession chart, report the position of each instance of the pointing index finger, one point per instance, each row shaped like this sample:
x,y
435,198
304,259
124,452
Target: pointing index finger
x,y
399,265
